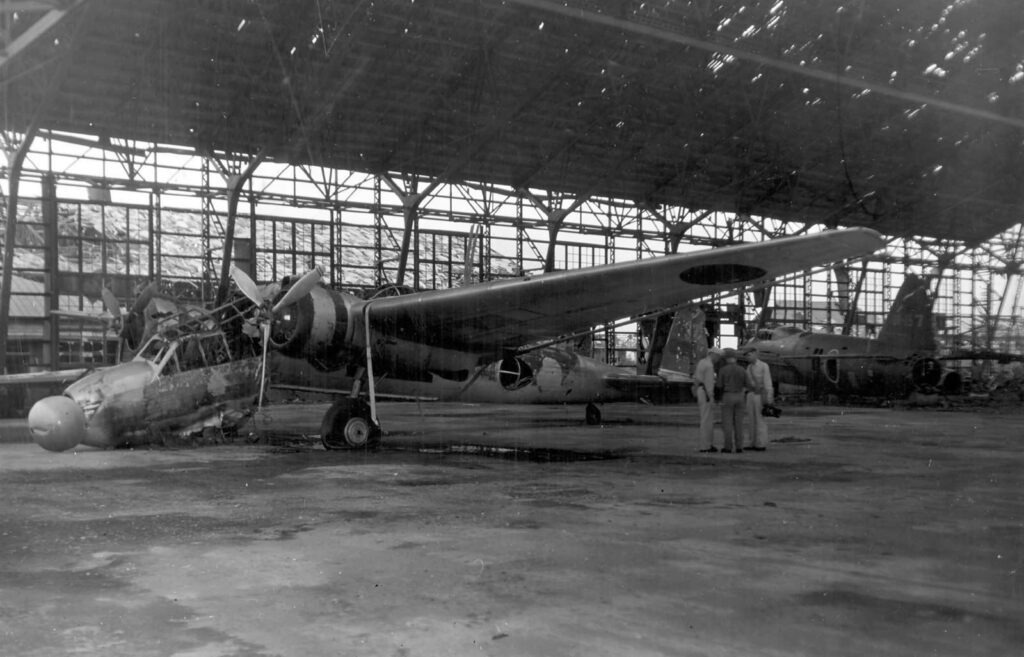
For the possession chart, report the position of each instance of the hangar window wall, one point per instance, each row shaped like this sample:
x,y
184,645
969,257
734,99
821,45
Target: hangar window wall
x,y
166,216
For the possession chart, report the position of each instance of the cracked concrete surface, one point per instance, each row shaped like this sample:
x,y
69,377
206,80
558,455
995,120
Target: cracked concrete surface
x,y
858,532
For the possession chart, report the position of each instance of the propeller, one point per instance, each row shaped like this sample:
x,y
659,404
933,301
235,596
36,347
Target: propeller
x,y
111,303
110,317
298,289
247,286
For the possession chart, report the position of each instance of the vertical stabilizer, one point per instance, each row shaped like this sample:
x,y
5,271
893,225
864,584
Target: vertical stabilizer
x,y
909,325
687,341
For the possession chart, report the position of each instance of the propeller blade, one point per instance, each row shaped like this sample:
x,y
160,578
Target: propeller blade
x,y
246,285
84,315
299,289
111,303
263,363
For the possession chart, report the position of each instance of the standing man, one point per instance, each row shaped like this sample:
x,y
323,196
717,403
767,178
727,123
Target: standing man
x,y
761,393
704,391
732,378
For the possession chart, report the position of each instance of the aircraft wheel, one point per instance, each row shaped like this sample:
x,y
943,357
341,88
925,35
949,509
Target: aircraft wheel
x,y
593,415
347,425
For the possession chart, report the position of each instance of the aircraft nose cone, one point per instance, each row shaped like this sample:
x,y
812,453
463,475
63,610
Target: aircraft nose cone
x,y
56,423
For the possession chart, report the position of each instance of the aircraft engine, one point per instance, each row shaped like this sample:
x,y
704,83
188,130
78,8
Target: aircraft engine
x,y
316,326
951,384
514,373
830,368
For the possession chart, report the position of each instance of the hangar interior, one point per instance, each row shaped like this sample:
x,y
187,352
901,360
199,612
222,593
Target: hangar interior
x,y
436,144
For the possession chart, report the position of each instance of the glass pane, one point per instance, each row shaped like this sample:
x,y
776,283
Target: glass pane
x,y
68,256
138,224
284,265
67,219
139,262
28,258
92,255
92,220
284,237
181,267
115,222
117,258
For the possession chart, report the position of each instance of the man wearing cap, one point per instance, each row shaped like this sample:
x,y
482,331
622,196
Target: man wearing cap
x,y
761,392
732,379
704,391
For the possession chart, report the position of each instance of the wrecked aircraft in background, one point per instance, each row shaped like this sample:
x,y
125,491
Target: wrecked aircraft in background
x,y
900,361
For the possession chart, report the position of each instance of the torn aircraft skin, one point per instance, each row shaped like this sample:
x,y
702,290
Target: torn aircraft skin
x,y
184,378
173,387
900,361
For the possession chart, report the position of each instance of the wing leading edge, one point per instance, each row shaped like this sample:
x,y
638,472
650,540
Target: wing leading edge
x,y
492,317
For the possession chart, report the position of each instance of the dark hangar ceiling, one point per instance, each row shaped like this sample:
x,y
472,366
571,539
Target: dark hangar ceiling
x,y
904,116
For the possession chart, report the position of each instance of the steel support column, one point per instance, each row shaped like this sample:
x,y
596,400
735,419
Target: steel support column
x,y
410,218
16,159
235,185
51,255
410,214
555,219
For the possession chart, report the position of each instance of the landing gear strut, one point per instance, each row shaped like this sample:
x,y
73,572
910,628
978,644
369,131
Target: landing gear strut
x,y
348,425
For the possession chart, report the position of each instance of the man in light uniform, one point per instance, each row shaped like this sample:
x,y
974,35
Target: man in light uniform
x,y
759,378
704,391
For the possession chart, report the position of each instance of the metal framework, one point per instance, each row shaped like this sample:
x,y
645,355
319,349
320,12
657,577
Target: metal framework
x,y
130,212
531,134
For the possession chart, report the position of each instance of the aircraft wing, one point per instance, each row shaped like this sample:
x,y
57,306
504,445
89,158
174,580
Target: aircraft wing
x,y
1001,357
631,381
492,317
63,377
880,358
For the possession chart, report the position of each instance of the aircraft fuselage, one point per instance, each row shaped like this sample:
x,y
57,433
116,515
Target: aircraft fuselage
x,y
846,365
142,400
545,376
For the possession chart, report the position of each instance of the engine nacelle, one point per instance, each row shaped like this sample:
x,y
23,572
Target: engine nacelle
x,y
926,373
514,373
951,384
830,368
316,327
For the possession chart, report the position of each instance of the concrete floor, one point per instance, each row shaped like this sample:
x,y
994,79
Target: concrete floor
x,y
859,532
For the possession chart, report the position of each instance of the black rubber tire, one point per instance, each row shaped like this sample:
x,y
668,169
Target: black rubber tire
x,y
347,425
593,415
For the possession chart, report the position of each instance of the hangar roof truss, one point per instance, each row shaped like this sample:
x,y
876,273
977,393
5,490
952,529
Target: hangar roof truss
x,y
901,116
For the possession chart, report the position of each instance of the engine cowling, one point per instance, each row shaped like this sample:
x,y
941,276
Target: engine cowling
x,y
316,327
951,384
514,373
926,373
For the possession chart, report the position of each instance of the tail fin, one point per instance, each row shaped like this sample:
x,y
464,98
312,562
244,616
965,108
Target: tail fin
x,y
679,346
910,325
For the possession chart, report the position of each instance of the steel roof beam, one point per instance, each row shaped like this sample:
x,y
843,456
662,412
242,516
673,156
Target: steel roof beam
x,y
35,31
